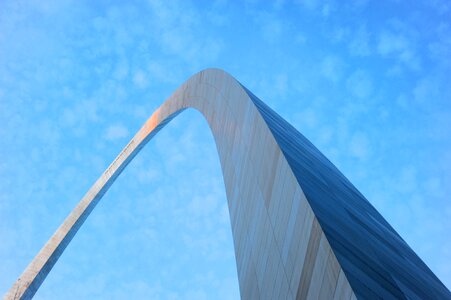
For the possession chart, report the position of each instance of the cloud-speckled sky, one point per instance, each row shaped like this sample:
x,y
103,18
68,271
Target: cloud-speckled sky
x,y
366,81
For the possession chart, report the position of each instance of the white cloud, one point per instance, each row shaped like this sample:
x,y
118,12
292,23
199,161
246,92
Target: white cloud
x,y
407,180
332,68
360,84
340,34
359,4
271,26
391,43
80,116
442,7
440,50
272,29
204,205
116,131
300,38
121,70
326,10
325,135
400,45
281,83
434,187
359,146
140,79
307,118
309,4
147,174
181,33
359,44
163,72
426,91
402,101
322,7
278,4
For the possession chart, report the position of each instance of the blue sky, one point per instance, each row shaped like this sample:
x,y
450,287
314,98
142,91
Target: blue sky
x,y
366,81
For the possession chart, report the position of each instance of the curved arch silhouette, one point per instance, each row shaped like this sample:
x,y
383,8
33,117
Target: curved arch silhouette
x,y
300,228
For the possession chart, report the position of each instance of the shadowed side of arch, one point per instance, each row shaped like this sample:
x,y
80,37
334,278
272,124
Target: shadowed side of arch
x,y
280,248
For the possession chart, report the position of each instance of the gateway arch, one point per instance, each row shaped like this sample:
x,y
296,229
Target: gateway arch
x,y
301,230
